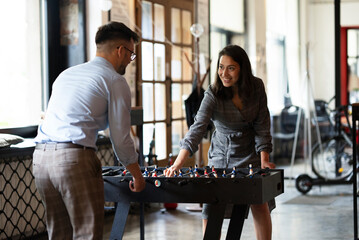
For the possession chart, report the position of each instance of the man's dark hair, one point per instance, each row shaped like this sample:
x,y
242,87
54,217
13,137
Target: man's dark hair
x,y
115,31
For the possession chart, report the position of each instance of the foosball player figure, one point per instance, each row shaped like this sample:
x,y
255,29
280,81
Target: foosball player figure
x,y
205,173
190,170
224,173
154,174
170,159
175,174
195,168
124,172
196,174
233,175
250,171
145,173
214,172
180,173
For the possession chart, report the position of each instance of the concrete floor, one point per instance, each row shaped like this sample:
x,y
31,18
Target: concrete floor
x,y
325,212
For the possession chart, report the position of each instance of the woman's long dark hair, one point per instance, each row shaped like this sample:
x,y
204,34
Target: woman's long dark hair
x,y
246,78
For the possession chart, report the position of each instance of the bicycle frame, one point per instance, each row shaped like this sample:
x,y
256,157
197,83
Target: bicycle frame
x,y
332,162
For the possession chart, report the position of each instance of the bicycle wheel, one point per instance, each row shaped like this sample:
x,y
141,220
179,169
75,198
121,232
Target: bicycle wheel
x,y
334,161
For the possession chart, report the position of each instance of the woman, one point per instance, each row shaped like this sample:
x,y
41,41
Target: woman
x,y
237,105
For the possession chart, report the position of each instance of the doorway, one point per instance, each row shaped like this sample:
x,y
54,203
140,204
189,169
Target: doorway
x,y
164,75
349,64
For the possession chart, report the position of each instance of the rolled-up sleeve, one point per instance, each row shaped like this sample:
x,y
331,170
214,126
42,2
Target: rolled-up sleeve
x,y
199,128
120,122
261,124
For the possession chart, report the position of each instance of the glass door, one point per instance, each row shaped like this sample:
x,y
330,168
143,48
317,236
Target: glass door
x,y
165,75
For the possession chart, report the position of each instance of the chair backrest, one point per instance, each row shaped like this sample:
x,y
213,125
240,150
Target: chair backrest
x,y
288,119
321,110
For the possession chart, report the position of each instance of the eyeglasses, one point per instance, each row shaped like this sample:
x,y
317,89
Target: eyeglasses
x,y
133,55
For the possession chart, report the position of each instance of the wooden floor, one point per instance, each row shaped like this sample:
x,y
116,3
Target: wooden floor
x,y
161,224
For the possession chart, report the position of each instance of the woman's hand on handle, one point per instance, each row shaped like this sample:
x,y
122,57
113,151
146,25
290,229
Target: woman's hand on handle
x,y
268,165
265,163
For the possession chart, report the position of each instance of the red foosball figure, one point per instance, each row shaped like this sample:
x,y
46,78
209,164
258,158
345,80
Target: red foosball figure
x,y
205,173
214,172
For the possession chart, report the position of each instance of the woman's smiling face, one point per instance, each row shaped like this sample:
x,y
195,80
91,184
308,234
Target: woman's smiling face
x,y
228,71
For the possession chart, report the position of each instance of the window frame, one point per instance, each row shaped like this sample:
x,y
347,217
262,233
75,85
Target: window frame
x,y
187,5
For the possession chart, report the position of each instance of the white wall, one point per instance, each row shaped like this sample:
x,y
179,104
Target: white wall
x,y
320,37
321,49
256,14
349,13
282,25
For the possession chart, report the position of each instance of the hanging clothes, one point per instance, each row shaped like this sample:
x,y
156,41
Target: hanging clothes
x,y
192,104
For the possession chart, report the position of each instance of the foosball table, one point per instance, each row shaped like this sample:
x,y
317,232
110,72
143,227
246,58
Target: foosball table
x,y
240,187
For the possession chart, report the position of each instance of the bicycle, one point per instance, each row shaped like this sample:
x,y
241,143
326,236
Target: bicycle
x,y
332,159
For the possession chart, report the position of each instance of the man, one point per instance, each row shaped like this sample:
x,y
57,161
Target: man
x,y
85,99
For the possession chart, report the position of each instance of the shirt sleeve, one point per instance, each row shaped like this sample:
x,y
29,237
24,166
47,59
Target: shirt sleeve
x,y
120,122
261,124
199,128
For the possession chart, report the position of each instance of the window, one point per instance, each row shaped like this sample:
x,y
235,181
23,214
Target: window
x,y
226,28
165,75
20,63
285,84
277,74
181,73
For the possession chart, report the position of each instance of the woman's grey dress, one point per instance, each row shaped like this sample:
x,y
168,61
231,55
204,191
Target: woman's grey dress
x,y
239,135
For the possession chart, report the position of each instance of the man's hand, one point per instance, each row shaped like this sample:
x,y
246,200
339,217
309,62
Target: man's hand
x,y
137,184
